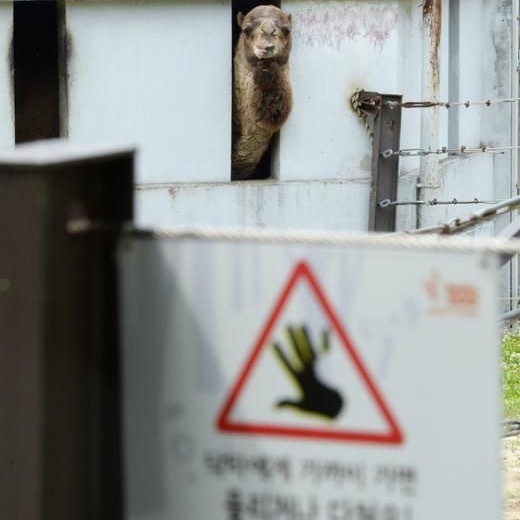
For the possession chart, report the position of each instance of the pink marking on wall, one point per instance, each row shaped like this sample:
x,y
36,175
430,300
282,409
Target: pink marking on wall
x,y
333,23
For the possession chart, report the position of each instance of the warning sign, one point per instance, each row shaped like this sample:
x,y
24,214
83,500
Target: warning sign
x,y
269,381
326,406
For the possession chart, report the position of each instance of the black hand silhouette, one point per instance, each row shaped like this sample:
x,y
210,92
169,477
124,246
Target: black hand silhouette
x,y
316,397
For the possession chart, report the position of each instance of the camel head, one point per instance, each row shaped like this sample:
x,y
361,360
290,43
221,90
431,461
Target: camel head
x,y
265,34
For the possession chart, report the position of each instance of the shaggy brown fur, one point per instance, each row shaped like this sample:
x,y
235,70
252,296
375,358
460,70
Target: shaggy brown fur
x,y
262,96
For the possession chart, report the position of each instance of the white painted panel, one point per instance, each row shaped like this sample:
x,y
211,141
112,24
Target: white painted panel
x,y
406,216
444,74
461,178
338,47
157,74
464,179
409,79
336,205
6,98
471,66
135,75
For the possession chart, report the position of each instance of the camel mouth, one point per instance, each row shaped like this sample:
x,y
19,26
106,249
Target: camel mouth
x,y
263,54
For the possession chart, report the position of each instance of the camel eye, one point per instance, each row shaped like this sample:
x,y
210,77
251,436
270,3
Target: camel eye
x,y
286,31
248,31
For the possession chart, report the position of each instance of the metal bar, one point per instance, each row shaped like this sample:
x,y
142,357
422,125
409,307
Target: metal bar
x,y
428,186
511,231
454,68
385,170
453,104
509,316
461,150
434,202
515,12
59,356
459,224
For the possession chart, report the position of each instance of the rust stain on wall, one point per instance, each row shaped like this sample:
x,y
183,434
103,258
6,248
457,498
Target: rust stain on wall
x,y
333,23
432,20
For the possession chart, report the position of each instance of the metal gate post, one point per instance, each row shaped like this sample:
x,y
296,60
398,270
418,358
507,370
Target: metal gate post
x,y
385,109
60,433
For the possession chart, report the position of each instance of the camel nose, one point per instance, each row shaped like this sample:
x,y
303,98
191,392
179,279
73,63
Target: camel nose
x,y
268,28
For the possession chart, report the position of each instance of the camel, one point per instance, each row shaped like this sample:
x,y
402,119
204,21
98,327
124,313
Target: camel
x,y
262,94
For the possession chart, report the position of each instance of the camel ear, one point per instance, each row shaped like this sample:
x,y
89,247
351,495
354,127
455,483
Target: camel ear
x,y
240,18
289,17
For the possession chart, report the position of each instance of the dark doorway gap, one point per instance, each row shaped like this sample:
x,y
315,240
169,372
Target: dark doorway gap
x,y
36,70
263,170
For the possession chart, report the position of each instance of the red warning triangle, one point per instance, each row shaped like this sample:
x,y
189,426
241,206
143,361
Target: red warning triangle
x,y
302,274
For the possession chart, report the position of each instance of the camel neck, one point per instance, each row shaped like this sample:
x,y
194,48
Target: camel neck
x,y
268,75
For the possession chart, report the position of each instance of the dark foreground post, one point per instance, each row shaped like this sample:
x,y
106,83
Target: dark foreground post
x,y
60,419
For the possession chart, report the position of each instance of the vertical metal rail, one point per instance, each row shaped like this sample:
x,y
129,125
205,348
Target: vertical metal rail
x,y
515,61
454,71
385,170
428,185
60,439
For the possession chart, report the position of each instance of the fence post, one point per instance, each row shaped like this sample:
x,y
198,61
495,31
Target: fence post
x,y
60,433
385,170
384,111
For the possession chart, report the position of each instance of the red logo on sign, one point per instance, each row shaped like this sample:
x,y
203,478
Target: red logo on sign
x,y
226,423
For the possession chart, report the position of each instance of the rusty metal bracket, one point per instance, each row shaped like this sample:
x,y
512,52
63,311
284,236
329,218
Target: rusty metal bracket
x,y
386,111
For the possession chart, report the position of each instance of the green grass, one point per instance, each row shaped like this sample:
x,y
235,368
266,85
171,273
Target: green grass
x,y
511,374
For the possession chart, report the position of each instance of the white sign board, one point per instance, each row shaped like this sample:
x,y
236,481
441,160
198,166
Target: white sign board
x,y
287,382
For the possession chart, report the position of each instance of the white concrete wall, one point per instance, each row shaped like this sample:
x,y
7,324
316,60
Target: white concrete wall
x,y
339,46
6,97
157,74
485,71
340,205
